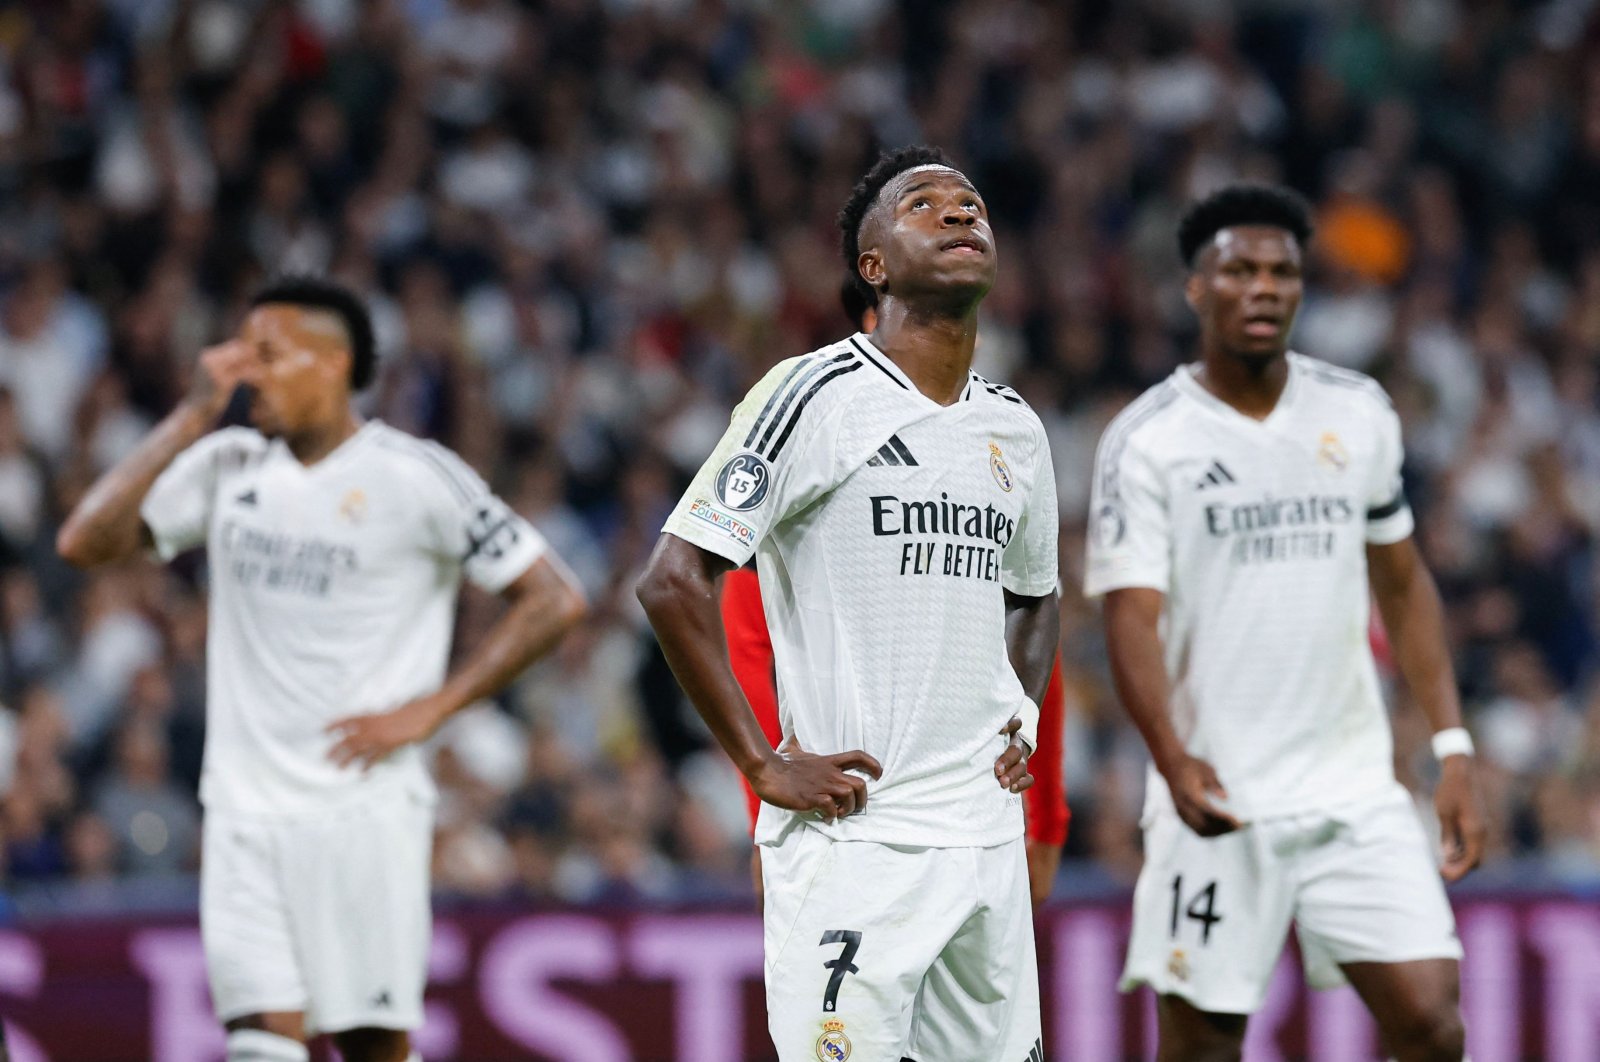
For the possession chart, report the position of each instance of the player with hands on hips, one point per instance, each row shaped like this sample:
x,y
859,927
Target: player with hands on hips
x,y
750,655
901,512
335,549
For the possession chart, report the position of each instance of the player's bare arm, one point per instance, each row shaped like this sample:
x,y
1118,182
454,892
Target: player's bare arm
x,y
1044,863
1138,668
544,603
1033,634
1409,603
679,593
105,526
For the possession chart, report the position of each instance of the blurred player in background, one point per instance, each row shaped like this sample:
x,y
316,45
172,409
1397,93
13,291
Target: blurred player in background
x,y
336,548
750,654
902,512
1241,511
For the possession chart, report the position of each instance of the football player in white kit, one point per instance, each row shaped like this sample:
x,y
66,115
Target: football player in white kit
x,y
336,547
901,510
1241,511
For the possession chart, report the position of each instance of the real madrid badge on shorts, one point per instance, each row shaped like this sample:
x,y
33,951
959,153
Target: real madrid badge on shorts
x,y
833,1045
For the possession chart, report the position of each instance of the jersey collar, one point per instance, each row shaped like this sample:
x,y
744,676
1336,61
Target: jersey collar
x,y
333,458
1183,379
869,352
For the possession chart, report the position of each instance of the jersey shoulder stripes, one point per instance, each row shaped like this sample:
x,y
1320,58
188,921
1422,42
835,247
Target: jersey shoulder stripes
x,y
1330,375
430,459
799,391
978,388
1144,411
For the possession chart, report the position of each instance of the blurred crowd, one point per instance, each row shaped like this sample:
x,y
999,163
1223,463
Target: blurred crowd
x,y
585,226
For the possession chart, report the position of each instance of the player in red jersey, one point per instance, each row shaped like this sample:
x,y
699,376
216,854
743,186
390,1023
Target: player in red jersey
x,y
750,653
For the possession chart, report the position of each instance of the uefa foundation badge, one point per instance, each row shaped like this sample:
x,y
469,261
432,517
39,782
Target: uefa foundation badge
x,y
833,1045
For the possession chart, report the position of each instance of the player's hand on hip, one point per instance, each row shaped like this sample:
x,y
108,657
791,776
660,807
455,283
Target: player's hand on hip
x,y
218,372
364,740
801,781
1194,783
1461,822
1011,767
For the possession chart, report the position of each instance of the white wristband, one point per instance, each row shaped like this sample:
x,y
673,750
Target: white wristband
x,y
1452,742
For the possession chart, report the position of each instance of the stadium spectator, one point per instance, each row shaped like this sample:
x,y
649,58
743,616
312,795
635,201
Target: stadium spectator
x,y
584,228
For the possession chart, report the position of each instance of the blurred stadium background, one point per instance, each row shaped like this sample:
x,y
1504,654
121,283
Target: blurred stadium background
x,y
584,227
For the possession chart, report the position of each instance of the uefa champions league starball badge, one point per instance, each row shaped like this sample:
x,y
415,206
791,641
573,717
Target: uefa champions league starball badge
x,y
833,1045
742,483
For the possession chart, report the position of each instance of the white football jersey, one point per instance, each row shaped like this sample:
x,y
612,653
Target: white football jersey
x,y
332,593
1256,532
886,528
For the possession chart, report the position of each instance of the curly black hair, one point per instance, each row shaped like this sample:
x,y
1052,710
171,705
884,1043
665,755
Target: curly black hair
x,y
890,165
318,293
1242,204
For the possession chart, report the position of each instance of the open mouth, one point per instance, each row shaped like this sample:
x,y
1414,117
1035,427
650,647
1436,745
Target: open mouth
x,y
1263,325
964,245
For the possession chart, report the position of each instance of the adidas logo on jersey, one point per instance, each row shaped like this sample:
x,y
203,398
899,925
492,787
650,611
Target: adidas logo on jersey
x,y
1215,476
893,452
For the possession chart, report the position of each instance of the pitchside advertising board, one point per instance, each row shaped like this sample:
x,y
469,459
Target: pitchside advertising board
x,y
586,986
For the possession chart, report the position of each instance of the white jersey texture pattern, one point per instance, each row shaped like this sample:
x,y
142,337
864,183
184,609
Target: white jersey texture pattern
x,y
886,529
1255,532
333,591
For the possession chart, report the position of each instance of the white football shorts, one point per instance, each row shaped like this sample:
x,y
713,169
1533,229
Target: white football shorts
x,y
327,915
1211,915
877,952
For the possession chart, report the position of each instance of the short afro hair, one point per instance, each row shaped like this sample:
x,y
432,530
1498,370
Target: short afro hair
x,y
1242,204
318,293
890,165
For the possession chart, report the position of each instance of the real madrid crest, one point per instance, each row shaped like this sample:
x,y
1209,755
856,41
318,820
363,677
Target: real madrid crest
x,y
997,465
1331,453
353,506
833,1045
1178,964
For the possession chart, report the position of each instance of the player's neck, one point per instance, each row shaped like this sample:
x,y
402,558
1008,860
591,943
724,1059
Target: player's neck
x,y
1252,386
933,349
312,444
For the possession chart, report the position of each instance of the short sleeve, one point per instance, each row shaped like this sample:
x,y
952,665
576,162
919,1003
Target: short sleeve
x,y
1031,559
177,510
1130,526
775,459
470,525
1389,516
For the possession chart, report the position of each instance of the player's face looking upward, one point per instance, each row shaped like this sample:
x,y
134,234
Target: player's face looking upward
x,y
928,235
303,383
1246,288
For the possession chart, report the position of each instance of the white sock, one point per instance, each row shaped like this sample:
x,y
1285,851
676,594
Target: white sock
x,y
258,1045
413,1057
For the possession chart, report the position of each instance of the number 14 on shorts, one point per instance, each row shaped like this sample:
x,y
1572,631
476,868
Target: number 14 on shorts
x,y
1202,908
